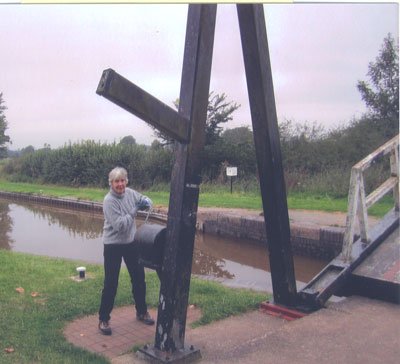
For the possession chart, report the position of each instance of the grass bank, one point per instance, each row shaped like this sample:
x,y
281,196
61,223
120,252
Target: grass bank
x,y
210,196
34,316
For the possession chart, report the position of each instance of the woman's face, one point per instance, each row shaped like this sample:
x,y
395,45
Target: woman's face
x,y
118,185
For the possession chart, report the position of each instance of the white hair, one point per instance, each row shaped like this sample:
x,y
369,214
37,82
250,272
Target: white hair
x,y
117,172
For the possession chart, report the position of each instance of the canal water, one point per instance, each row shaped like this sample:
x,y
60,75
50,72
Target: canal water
x,y
74,235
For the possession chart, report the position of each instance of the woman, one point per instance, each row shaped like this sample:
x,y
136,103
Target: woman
x,y
120,207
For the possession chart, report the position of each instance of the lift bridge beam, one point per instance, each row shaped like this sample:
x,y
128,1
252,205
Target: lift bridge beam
x,y
187,127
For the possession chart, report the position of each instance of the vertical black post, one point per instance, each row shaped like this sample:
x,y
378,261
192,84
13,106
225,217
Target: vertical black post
x,y
185,180
266,138
231,184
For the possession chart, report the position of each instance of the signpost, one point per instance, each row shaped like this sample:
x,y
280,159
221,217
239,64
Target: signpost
x,y
231,172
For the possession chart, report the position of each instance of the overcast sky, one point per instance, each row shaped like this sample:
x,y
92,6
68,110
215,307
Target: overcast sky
x,y
52,58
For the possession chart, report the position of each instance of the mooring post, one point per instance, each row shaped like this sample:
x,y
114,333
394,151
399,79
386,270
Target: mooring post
x,y
267,144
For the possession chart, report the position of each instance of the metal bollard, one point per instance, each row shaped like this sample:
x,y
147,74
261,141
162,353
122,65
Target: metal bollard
x,y
81,271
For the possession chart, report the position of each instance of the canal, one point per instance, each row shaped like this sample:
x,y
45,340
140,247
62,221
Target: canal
x,y
78,236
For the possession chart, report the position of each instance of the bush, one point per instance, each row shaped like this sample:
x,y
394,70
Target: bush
x,y
314,160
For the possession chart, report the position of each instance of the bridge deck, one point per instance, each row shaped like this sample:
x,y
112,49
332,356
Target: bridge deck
x,y
373,272
384,262
378,276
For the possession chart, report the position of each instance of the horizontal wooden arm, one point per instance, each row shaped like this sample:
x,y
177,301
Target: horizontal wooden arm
x,y
132,98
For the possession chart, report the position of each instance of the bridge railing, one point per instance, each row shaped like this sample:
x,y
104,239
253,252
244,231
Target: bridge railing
x,y
358,203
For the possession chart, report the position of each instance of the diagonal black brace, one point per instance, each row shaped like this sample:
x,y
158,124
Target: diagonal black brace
x,y
169,346
267,144
132,98
185,180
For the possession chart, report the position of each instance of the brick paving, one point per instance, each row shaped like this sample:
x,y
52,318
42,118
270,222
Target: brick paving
x,y
127,331
355,330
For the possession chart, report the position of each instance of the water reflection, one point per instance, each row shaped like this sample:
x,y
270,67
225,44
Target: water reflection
x,y
207,265
69,234
6,226
249,261
81,225
55,233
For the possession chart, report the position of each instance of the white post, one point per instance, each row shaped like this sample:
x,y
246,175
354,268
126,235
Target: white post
x,y
362,211
354,193
394,169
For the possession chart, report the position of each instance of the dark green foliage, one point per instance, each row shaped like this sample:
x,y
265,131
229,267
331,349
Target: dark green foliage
x,y
320,162
129,139
313,160
28,149
3,127
382,97
89,162
301,145
219,111
235,147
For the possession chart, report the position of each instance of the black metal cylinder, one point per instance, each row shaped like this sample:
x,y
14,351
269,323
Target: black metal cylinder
x,y
150,241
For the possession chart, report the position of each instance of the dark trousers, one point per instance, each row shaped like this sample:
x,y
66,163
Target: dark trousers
x,y
113,254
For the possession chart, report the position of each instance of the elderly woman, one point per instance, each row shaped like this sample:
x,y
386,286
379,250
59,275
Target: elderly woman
x,y
120,207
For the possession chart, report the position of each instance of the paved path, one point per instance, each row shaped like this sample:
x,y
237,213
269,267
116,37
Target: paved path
x,y
354,330
127,331
308,218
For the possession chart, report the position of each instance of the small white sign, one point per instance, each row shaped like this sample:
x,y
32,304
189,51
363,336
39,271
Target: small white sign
x,y
231,171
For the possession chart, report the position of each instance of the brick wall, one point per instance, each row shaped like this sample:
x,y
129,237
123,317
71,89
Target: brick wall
x,y
317,242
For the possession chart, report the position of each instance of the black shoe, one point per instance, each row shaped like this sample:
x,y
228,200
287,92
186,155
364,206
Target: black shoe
x,y
145,318
105,328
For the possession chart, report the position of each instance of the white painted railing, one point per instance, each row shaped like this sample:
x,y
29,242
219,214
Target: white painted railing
x,y
358,203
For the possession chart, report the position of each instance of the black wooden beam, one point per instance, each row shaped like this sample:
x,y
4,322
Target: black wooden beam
x,y
185,180
132,98
266,138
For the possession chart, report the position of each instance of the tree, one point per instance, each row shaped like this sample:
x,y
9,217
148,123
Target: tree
x,y
156,145
28,149
128,140
3,127
382,97
219,111
235,147
242,134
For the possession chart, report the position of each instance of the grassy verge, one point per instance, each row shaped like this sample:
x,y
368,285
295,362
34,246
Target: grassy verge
x,y
210,196
93,194
33,321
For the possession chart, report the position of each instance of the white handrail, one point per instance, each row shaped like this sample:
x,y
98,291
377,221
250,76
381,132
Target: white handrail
x,y
358,203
